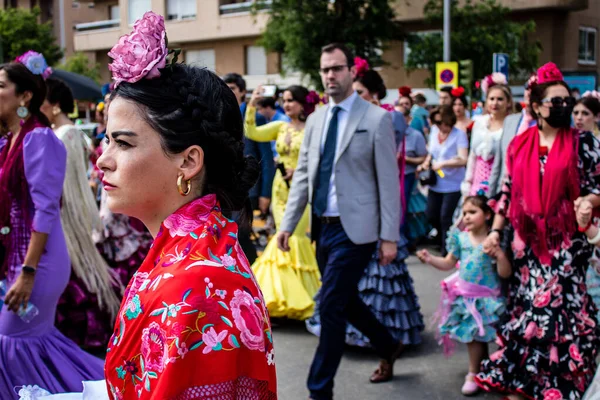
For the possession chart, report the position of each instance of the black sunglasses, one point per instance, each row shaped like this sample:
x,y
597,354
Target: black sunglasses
x,y
560,101
335,68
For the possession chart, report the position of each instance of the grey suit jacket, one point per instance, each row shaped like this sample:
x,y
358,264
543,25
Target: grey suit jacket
x,y
366,174
509,131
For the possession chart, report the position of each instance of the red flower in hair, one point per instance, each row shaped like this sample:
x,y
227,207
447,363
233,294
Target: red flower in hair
x,y
458,92
549,73
404,91
362,66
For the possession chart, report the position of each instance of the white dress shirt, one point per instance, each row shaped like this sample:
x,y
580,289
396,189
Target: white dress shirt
x,y
342,116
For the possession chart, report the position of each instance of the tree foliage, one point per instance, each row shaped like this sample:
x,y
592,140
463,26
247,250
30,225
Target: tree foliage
x,y
298,29
479,28
80,64
21,31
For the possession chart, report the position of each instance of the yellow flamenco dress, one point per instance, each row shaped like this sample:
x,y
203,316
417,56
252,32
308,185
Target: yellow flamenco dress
x,y
288,280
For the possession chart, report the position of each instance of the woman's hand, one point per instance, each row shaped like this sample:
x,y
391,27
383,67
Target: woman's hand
x,y
437,165
491,242
257,94
19,293
289,174
583,212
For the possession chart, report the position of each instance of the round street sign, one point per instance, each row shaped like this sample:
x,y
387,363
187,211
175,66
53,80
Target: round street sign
x,y
447,76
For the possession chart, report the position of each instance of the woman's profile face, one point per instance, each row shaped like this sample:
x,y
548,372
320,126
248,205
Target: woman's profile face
x,y
9,101
362,91
139,178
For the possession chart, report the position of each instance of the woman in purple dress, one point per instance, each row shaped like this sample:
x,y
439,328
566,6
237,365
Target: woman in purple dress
x,y
33,254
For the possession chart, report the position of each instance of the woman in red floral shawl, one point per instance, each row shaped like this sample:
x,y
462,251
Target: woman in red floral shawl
x,y
193,324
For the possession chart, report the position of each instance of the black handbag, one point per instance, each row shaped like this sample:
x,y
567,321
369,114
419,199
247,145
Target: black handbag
x,y
428,177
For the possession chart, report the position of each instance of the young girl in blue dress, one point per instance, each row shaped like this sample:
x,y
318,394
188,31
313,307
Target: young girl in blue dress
x,y
471,303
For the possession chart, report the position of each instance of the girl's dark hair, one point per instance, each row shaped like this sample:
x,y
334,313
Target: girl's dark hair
x,y
26,81
538,93
192,106
481,201
59,93
373,82
463,100
591,103
300,94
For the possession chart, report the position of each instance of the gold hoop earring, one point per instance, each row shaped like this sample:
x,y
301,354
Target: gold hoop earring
x,y
180,186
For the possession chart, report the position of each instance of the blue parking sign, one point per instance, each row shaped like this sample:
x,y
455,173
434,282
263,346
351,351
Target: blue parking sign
x,y
501,63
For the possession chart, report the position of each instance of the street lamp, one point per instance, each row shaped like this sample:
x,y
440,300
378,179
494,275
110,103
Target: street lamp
x,y
447,30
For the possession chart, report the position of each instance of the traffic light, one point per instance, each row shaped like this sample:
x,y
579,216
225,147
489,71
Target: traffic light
x,y
466,75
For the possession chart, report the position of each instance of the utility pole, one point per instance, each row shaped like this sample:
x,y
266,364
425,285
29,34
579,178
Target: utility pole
x,y
447,30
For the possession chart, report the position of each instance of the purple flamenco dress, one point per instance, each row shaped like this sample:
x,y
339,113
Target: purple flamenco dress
x,y
36,353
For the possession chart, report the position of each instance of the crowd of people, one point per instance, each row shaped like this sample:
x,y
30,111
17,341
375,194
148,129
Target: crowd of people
x,y
139,239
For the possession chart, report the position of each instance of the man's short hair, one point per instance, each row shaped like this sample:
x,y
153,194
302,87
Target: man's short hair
x,y
330,48
420,99
447,89
236,79
267,102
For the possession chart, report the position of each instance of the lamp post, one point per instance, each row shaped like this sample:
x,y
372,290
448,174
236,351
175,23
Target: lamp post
x,y
447,30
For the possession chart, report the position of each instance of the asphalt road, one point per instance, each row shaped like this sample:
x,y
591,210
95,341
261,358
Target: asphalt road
x,y
423,372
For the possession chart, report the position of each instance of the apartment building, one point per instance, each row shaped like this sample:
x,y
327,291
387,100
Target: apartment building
x,y
222,34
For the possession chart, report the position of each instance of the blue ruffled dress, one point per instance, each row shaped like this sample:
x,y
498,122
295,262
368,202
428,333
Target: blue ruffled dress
x,y
389,293
475,267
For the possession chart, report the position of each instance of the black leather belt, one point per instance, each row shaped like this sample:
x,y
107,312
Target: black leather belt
x,y
331,220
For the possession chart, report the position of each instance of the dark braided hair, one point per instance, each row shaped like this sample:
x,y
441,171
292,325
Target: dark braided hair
x,y
192,106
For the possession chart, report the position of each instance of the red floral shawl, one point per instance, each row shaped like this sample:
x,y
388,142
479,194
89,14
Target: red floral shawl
x,y
541,210
193,323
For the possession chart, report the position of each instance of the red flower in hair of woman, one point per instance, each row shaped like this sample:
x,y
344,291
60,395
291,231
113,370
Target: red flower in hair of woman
x,y
458,92
362,66
404,91
549,73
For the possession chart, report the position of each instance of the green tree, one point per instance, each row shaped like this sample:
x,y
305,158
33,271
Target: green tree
x,y
480,28
20,31
80,64
298,29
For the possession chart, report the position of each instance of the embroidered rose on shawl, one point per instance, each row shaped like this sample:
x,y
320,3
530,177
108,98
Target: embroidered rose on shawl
x,y
552,394
154,347
190,217
212,340
208,306
132,306
248,319
142,53
242,257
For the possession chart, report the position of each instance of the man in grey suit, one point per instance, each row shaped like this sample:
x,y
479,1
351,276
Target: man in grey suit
x,y
348,171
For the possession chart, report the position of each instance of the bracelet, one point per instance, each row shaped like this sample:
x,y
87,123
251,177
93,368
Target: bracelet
x,y
29,270
585,228
595,239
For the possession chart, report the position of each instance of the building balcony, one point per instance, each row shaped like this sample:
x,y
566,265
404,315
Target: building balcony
x,y
99,35
227,8
97,25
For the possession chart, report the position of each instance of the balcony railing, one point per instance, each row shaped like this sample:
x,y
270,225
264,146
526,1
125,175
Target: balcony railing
x,y
93,26
236,8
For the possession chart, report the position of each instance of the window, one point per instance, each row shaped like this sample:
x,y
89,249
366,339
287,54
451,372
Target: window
x,y
114,12
587,45
137,8
201,58
256,60
181,9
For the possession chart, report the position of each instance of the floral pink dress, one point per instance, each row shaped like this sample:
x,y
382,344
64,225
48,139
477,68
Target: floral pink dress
x,y
549,339
193,324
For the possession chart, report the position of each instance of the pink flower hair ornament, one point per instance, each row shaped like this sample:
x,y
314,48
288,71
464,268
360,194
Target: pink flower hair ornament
x,y
549,72
36,63
361,65
595,94
143,53
497,78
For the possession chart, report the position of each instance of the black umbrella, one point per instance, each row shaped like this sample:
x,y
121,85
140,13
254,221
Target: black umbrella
x,y
83,88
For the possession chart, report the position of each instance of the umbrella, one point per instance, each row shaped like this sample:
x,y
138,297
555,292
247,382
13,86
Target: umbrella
x,y
83,88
